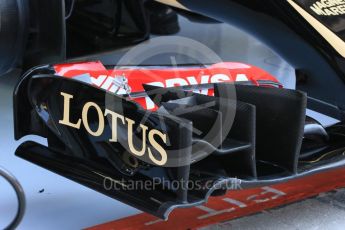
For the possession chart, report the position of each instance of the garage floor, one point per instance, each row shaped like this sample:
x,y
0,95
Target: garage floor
x,y
325,212
54,202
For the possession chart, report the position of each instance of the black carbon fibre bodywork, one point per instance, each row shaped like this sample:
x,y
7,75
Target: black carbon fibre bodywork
x,y
282,28
262,146
258,139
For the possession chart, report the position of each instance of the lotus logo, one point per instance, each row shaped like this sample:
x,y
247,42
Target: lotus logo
x,y
153,136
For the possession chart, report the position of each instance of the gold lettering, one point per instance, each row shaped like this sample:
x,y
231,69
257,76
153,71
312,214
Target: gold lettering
x,y
328,12
146,135
317,10
85,111
130,138
66,110
114,117
321,5
328,7
160,149
342,9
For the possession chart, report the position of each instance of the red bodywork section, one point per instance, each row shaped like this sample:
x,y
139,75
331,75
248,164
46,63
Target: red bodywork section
x,y
96,74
